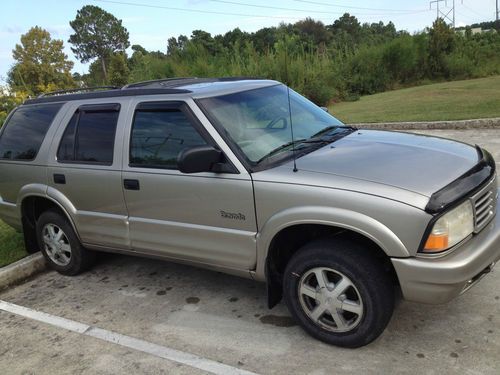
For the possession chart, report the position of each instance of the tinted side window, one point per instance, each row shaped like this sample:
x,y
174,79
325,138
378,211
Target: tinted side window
x,y
89,137
159,136
67,145
24,132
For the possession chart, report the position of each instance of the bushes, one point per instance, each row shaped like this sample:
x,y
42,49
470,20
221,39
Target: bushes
x,y
400,57
458,66
367,73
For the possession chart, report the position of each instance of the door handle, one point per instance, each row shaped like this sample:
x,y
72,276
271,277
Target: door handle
x,y
59,179
131,184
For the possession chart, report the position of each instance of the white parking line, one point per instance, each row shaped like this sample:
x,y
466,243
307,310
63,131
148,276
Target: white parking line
x,y
126,341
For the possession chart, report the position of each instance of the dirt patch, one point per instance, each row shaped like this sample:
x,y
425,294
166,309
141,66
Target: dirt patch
x,y
278,321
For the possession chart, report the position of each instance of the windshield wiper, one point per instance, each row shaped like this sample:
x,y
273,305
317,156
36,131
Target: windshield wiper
x,y
333,127
289,144
318,138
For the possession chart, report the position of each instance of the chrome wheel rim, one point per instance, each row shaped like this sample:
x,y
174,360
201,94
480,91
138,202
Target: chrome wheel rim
x,y
56,244
330,299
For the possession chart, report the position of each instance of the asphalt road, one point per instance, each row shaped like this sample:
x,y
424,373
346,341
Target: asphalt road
x,y
224,319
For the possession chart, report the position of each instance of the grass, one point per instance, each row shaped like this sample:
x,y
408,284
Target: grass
x,y
458,100
11,245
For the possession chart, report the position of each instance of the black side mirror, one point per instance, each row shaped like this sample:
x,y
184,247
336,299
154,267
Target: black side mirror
x,y
199,159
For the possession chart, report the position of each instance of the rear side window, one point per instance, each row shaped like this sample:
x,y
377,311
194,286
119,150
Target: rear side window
x,y
89,137
24,132
159,135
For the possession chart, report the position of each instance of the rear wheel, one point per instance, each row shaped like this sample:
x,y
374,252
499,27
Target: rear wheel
x,y
60,245
338,292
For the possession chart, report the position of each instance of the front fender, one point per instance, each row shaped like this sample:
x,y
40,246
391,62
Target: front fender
x,y
330,216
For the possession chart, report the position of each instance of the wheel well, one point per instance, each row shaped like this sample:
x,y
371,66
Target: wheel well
x,y
289,240
31,209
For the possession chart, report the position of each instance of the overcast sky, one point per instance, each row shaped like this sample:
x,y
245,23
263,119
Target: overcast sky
x,y
152,22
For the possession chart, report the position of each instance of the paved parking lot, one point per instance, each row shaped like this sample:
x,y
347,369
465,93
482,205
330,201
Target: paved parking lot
x,y
224,319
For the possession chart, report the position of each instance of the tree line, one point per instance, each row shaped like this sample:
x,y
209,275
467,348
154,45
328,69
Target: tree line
x,y
326,62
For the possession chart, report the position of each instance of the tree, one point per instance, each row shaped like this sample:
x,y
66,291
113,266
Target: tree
x,y
98,34
441,44
118,70
41,64
140,49
315,30
8,101
203,39
348,24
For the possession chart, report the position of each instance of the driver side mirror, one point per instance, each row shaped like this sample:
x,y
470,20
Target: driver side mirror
x,y
201,159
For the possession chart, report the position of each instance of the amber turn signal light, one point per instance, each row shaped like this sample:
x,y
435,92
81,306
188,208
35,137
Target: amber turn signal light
x,y
436,242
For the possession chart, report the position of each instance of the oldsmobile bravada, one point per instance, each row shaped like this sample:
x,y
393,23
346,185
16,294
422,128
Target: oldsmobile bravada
x,y
248,177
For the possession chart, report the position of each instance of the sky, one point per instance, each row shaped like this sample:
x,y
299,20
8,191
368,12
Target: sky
x,y
151,22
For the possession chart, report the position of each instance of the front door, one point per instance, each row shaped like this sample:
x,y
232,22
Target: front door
x,y
203,217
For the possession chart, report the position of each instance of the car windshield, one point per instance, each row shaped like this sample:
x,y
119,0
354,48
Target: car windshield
x,y
258,121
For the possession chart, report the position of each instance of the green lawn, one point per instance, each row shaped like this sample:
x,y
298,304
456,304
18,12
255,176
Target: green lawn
x,y
11,245
458,100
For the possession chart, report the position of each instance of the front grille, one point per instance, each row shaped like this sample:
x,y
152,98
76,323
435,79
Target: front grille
x,y
484,205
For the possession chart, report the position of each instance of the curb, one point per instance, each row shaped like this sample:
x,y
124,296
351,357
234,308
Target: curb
x,y
22,269
486,123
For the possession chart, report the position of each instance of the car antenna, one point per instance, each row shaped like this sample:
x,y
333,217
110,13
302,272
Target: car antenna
x,y
290,108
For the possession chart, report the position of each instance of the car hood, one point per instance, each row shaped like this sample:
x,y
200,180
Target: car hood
x,y
417,163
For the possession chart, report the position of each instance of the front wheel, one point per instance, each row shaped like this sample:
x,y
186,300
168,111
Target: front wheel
x,y
338,292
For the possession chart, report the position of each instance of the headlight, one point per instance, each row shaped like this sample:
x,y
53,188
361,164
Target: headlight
x,y
450,229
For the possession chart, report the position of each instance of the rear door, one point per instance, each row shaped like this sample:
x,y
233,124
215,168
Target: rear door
x,y
84,171
203,217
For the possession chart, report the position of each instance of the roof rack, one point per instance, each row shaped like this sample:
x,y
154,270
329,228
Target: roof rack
x,y
153,87
178,81
159,81
106,94
82,89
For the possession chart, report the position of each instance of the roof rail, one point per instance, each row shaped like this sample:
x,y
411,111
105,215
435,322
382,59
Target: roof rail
x,y
163,80
82,89
177,81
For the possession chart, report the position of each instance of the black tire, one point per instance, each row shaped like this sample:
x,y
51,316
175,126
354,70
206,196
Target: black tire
x,y
371,284
80,258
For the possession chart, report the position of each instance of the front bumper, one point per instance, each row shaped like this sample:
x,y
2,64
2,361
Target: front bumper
x,y
438,280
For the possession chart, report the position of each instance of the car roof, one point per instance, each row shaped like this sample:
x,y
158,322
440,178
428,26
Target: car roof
x,y
194,87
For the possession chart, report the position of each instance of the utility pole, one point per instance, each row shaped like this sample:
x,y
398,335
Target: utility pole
x,y
453,14
497,13
437,2
446,14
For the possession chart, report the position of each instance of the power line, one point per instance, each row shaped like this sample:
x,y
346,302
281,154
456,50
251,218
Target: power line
x,y
143,5
471,18
307,10
473,11
360,8
237,14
